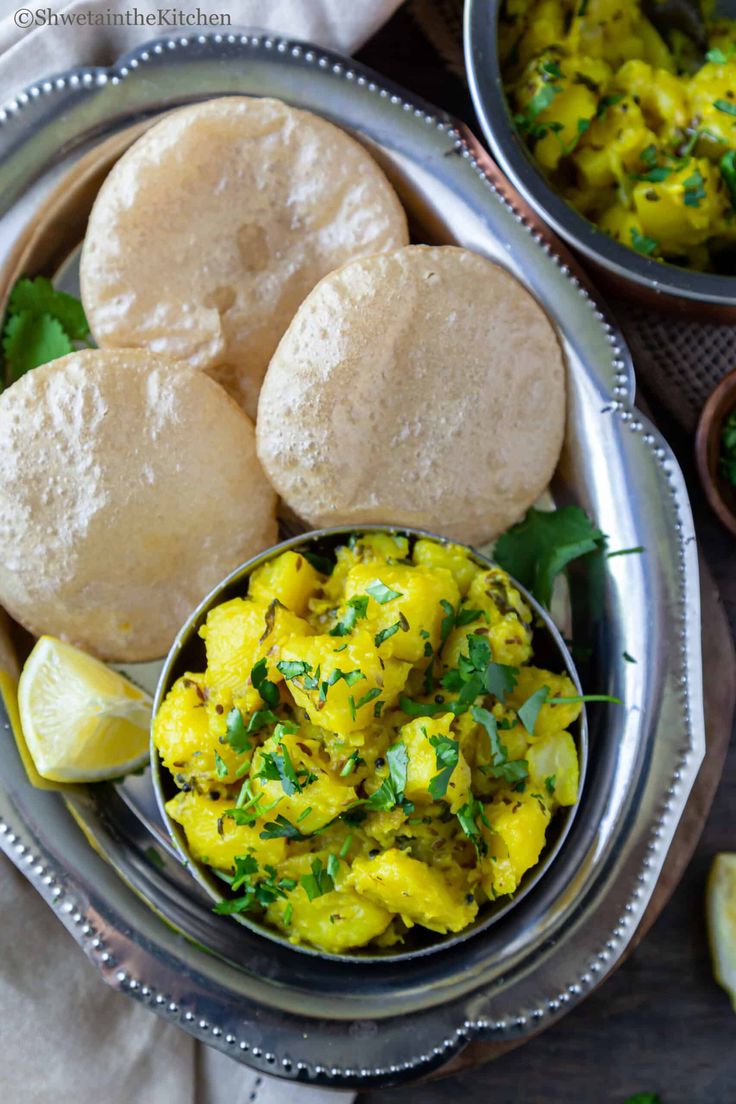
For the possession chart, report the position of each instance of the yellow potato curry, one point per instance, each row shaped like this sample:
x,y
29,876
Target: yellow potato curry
x,y
638,135
370,747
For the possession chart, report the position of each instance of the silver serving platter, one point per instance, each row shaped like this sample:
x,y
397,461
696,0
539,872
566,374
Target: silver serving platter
x,y
100,856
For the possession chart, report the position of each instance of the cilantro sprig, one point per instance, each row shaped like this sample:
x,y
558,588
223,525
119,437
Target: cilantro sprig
x,y
40,325
447,752
260,888
391,791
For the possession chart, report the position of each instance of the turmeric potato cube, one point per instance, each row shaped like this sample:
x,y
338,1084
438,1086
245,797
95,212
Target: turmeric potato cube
x,y
419,894
554,769
288,776
214,837
237,634
289,578
452,557
521,821
188,740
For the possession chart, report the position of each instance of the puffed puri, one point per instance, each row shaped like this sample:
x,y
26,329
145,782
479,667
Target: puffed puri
x,y
212,228
421,387
129,487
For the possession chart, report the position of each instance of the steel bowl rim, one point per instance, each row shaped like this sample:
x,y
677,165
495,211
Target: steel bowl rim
x,y
489,100
203,874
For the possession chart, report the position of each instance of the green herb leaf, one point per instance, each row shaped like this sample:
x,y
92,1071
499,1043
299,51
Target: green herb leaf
x,y
31,340
382,593
500,680
694,191
468,818
529,711
655,175
726,106
384,634
269,691
350,764
281,828
716,56
447,753
39,297
625,551
260,719
643,244
549,784
542,545
391,791
357,609
728,172
318,882
236,733
319,563
333,865
370,696
628,658
292,669
220,766
583,125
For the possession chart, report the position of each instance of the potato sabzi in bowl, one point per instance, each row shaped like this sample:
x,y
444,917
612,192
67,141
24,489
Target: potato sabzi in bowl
x,y
637,135
365,748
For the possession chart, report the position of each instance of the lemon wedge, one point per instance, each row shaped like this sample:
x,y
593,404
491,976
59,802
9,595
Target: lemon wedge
x,y
720,907
82,722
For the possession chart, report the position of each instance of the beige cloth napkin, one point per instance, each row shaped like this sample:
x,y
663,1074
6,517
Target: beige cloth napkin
x,y
63,1033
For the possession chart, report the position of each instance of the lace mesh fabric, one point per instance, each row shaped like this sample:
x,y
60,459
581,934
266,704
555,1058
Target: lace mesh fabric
x,y
679,360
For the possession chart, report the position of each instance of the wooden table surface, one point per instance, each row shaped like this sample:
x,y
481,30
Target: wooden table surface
x,y
660,1023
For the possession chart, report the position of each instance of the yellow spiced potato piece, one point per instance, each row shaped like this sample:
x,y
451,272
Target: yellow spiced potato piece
x,y
345,671
423,765
187,739
553,768
319,797
239,633
712,92
506,621
452,557
415,608
214,837
368,548
290,578
336,921
419,894
498,875
551,718
680,211
611,148
521,822
661,95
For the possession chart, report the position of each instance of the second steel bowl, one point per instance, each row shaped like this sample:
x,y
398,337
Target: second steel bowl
x,y
620,270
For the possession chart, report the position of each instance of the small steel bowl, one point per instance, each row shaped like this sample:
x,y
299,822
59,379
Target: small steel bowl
x,y
188,654
720,493
617,269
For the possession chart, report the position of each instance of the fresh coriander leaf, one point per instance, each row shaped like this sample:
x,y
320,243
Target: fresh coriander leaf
x,y
428,649
584,698
245,867
350,677
31,340
654,176
384,634
499,754
319,563
537,549
292,669
500,680
382,593
238,904
220,766
694,191
397,758
625,551
529,711
727,166
541,100
311,682
350,764
725,106
716,56
318,882
550,70
643,244
448,621
357,609
343,854
628,658
583,125
446,752
353,710
378,708
333,865
288,913
269,691
421,709
549,784
514,772
39,297
281,828
370,696
304,814
468,819
260,719
236,733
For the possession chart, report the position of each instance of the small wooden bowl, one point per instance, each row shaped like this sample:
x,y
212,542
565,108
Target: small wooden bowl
x,y
720,493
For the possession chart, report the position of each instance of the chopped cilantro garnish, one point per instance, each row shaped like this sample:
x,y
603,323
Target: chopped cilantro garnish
x,y
260,719
655,175
278,767
716,56
260,892
370,696
549,784
236,733
292,669
446,752
626,551
281,828
512,771
269,691
628,658
501,679
583,125
642,243
41,324
318,882
550,70
609,101
382,593
529,711
384,634
357,609
220,766
391,791
343,853
350,764
378,708
468,819
319,563
694,191
726,106
333,865
537,549
728,172
288,913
